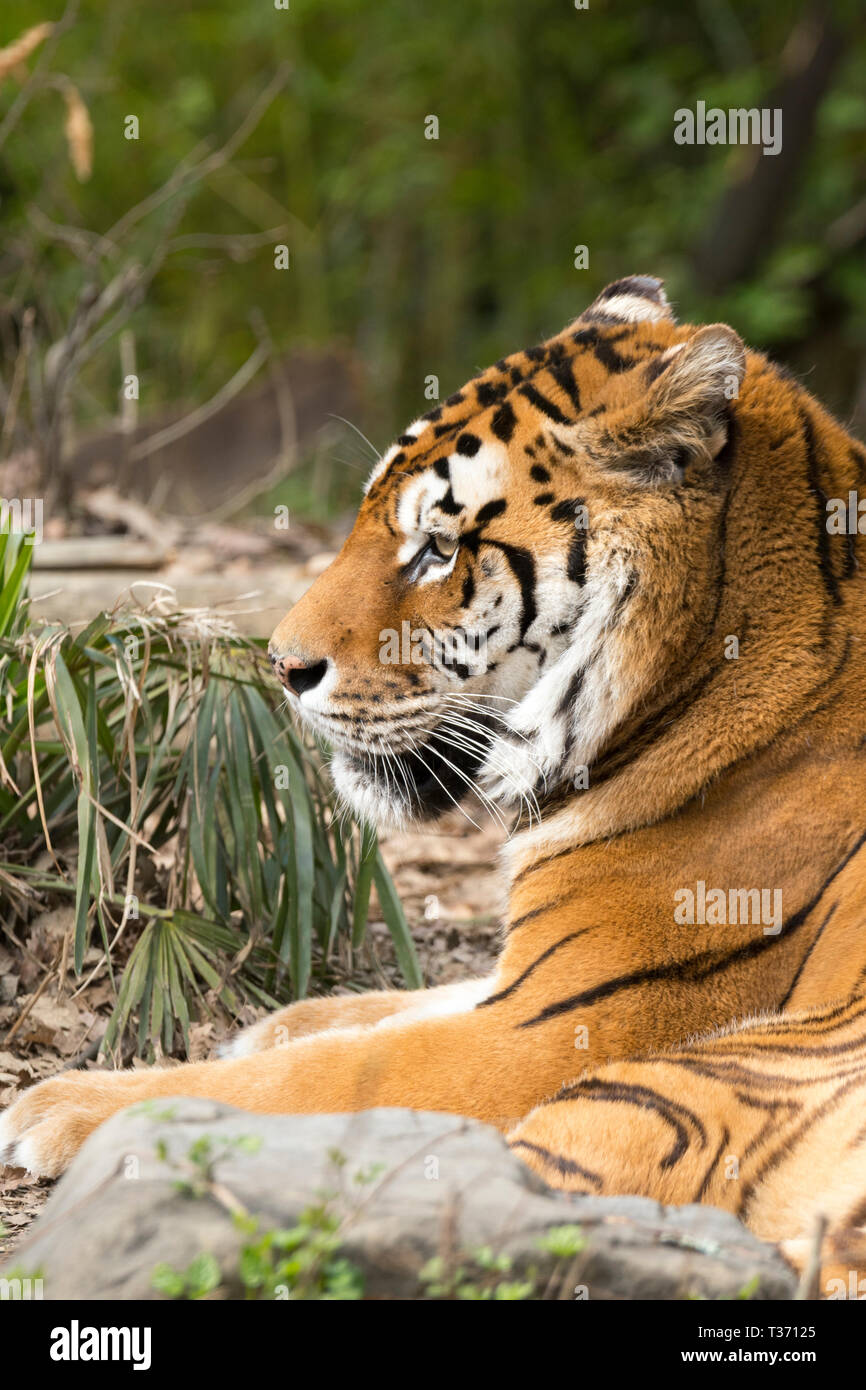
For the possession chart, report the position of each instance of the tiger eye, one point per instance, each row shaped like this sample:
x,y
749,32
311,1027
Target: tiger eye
x,y
444,546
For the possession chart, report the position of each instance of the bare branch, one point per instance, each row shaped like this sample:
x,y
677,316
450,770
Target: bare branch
x,y
197,417
236,246
189,171
92,307
18,379
86,245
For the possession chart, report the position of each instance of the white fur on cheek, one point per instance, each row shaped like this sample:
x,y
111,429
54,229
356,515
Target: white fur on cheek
x,y
415,429
380,467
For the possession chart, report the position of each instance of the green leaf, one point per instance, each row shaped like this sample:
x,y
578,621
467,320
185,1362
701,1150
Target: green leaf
x,y
168,1281
203,1275
13,583
395,920
367,861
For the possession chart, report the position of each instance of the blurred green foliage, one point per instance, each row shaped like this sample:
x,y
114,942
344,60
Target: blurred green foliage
x,y
433,256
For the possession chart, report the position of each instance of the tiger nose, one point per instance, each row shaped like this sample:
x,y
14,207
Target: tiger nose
x,y
296,674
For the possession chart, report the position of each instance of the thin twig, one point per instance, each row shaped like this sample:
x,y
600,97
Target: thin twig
x,y
197,417
17,379
34,81
809,1287
189,171
27,1007
238,246
88,1054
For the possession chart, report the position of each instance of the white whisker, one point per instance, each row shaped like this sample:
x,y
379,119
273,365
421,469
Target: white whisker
x,y
370,445
528,799
451,798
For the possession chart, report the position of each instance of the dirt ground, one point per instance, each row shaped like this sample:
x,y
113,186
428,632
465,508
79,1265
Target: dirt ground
x,y
448,883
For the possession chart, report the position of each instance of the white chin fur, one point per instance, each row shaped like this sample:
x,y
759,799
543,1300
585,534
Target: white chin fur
x,y
369,803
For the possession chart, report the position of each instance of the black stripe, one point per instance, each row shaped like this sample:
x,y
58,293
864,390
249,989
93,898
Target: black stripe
x,y
545,955
566,1166
449,427
572,691
531,915
576,566
798,972
825,561
772,1107
793,1025
645,1098
695,969
714,1163
448,504
544,861
560,446
566,510
491,392
504,422
601,345
776,1049
637,286
543,404
523,568
734,1072
490,510
563,375
784,1149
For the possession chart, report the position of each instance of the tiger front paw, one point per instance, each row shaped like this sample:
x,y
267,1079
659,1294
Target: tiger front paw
x,y
46,1127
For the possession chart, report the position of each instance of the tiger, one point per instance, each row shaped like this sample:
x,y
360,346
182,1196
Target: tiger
x,y
635,636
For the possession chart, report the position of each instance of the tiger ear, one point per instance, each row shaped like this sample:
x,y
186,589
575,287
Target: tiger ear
x,y
699,378
636,299
680,412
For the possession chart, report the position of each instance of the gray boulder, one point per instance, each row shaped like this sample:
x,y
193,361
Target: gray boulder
x,y
158,1185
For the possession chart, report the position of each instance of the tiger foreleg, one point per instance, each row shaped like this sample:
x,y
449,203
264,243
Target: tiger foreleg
x,y
468,1063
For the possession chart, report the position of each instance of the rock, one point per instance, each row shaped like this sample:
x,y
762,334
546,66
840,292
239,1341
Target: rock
x,y
447,1184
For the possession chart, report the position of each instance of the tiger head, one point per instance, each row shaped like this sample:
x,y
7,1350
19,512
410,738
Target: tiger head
x,y
534,559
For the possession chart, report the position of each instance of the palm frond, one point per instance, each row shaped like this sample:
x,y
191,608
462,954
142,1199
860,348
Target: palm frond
x,y
147,739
